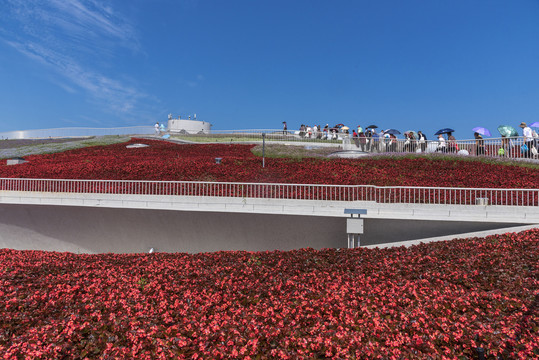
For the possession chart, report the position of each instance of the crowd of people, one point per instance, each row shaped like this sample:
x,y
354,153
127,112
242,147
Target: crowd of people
x,y
371,139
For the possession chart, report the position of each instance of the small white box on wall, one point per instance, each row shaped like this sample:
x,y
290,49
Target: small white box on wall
x,y
354,226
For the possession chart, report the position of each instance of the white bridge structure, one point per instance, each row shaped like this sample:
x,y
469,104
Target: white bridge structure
x,y
93,216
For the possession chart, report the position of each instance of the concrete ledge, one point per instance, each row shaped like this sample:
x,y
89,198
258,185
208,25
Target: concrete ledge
x,y
474,213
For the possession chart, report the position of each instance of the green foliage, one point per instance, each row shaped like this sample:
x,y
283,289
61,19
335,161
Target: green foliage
x,y
142,283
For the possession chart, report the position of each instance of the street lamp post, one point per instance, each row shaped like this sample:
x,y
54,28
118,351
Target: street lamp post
x,y
263,149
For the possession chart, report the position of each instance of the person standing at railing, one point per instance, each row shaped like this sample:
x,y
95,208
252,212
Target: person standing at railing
x,y
441,144
422,139
156,127
392,143
368,140
452,141
528,140
319,132
309,132
506,148
285,128
410,143
479,144
375,141
535,146
355,137
362,141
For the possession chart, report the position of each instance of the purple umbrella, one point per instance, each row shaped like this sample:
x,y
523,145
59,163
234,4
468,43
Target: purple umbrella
x,y
535,124
481,130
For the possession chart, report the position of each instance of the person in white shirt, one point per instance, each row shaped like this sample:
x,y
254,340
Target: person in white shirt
x,y
441,144
528,139
422,139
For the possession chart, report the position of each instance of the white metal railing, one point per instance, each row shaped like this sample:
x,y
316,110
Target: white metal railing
x,y
487,146
270,135
494,147
379,194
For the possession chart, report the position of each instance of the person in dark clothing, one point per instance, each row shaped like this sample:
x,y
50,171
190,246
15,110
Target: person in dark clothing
x,y
362,141
479,144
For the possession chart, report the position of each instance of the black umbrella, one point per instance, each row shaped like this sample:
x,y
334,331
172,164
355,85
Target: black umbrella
x,y
392,132
372,127
444,131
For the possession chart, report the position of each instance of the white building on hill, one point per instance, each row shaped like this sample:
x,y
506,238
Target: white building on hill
x,y
189,126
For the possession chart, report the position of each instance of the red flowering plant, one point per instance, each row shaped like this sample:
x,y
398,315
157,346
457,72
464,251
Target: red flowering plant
x,y
432,301
169,161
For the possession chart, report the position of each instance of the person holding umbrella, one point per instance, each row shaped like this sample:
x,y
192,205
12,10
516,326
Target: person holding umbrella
x,y
375,139
507,145
479,144
485,132
410,143
508,133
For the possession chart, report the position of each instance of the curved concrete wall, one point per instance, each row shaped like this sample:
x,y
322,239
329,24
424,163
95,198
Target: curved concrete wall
x,y
98,230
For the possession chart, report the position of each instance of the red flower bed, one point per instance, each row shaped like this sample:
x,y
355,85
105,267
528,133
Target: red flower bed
x,y
168,161
432,301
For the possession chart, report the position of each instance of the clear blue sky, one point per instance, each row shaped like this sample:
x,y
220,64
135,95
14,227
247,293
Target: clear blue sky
x,y
414,64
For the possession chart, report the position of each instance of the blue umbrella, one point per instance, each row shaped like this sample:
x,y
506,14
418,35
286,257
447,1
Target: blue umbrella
x,y
535,124
444,131
481,130
392,132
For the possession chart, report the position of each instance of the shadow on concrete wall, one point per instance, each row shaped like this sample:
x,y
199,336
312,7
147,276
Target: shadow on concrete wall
x,y
98,230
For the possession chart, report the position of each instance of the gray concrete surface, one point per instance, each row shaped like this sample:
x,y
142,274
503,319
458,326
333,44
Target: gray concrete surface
x,y
98,230
413,211
479,234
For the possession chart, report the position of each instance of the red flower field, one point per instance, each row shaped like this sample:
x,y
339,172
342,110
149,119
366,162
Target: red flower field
x,y
169,161
433,301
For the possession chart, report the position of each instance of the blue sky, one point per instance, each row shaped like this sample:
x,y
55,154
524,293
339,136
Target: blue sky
x,y
420,65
